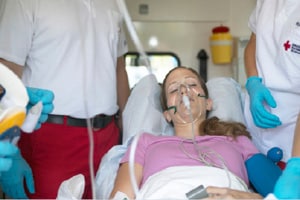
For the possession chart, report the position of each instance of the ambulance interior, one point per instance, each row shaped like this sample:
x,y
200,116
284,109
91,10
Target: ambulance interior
x,y
178,33
185,30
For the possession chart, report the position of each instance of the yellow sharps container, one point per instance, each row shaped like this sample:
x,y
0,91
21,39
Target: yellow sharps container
x,y
221,45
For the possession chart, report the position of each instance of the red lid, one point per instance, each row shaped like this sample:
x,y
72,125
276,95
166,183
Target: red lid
x,y
220,29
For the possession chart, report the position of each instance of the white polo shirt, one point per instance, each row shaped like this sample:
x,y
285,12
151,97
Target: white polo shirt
x,y
69,47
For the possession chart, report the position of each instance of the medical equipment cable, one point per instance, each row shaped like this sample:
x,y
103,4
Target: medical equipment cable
x,y
88,121
201,156
131,166
133,34
91,147
91,142
91,158
123,9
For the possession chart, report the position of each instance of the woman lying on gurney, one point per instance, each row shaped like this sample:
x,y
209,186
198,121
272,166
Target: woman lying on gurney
x,y
203,151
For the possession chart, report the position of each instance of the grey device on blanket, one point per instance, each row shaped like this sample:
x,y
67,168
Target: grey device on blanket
x,y
197,193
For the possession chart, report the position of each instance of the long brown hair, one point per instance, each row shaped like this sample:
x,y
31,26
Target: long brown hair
x,y
213,125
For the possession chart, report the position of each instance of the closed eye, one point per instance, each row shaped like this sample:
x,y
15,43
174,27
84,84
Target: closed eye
x,y
173,91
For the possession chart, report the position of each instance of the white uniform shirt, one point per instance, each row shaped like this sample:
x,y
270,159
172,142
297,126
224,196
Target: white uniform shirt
x,y
69,47
276,24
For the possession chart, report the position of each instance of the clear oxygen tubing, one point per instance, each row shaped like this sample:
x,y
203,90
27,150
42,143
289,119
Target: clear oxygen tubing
x,y
91,146
131,166
91,141
90,135
88,121
123,9
91,157
205,157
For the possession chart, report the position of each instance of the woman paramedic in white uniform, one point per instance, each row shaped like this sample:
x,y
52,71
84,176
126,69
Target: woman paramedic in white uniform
x,y
272,62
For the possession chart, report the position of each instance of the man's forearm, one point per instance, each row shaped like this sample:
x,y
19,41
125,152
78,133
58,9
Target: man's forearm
x,y
250,57
123,89
296,144
17,69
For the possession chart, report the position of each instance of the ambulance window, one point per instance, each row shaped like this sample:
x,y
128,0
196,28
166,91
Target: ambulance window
x,y
161,63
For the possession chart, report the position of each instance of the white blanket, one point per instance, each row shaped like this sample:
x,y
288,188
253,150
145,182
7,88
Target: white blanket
x,y
175,182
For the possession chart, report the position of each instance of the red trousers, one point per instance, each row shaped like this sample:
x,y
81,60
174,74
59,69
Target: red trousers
x,y
57,152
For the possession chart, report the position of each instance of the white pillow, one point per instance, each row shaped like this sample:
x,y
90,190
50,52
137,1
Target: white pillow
x,y
227,97
143,112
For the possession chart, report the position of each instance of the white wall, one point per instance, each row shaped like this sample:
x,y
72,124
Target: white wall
x,y
184,27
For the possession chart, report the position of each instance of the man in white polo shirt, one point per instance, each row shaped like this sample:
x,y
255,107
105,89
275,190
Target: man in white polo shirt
x,y
74,49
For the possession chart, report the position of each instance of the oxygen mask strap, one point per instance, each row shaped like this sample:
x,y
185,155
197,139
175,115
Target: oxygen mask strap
x,y
172,107
203,96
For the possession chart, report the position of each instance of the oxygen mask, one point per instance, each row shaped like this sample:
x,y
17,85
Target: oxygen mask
x,y
187,106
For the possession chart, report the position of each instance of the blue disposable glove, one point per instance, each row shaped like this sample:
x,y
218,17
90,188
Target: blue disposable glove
x,y
12,181
46,97
288,185
7,149
260,96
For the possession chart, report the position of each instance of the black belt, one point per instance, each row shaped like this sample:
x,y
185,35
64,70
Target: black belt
x,y
99,121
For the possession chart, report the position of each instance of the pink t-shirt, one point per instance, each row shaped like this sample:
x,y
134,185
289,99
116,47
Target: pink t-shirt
x,y
156,153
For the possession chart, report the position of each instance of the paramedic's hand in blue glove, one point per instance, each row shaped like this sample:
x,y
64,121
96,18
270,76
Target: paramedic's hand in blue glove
x,y
46,97
288,184
12,181
260,95
7,149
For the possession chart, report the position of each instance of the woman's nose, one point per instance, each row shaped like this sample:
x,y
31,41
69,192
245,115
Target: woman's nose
x,y
183,89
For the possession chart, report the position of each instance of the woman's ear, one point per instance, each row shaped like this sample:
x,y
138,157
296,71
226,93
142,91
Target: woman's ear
x,y
167,116
209,104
